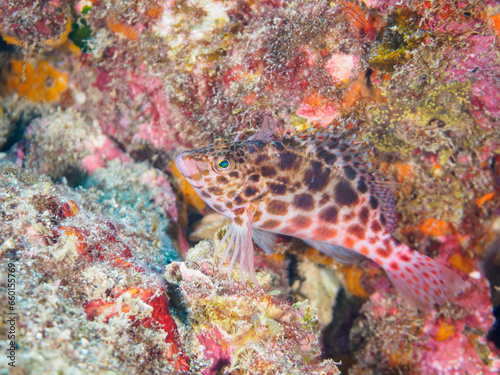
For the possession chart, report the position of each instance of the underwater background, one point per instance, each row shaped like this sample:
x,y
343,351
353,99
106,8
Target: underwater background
x,y
107,261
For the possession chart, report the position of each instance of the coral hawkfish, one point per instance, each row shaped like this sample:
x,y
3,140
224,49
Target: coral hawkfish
x,y
315,186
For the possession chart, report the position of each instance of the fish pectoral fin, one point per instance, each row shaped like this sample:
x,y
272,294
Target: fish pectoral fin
x,y
342,254
239,236
266,240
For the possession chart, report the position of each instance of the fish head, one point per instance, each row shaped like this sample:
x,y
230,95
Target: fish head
x,y
221,174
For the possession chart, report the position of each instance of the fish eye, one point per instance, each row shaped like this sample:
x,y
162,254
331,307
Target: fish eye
x,y
223,164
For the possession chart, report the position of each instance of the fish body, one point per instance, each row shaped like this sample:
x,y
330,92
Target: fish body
x,y
314,186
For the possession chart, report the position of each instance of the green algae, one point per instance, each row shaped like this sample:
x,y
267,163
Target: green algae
x,y
430,124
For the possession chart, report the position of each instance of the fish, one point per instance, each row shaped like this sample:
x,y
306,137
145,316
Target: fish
x,y
315,186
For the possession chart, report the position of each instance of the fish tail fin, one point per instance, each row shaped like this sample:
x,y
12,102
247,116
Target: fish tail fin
x,y
421,280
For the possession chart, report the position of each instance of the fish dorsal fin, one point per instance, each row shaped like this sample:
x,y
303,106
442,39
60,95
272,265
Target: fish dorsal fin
x,y
331,145
342,254
266,131
387,204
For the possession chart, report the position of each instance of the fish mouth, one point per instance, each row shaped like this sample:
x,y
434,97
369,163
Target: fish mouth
x,y
187,167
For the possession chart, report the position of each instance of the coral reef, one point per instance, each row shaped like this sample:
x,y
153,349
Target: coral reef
x,y
246,331
98,97
81,294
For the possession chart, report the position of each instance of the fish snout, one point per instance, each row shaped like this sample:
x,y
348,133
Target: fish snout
x,y
187,166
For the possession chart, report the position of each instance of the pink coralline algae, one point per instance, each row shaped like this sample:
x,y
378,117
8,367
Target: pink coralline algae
x,y
457,345
341,66
101,149
318,110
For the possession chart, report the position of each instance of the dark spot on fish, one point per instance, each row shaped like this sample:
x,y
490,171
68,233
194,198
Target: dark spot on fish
x,y
238,220
257,215
238,200
384,253
234,174
327,157
250,191
222,180
357,231
241,160
344,194
376,226
267,171
215,190
288,161
218,207
373,202
362,188
270,224
317,177
303,201
231,194
277,189
394,266
301,221
363,215
349,216
228,204
260,158
277,207
333,144
382,220
405,257
239,211
254,177
350,173
329,214
205,172
205,194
